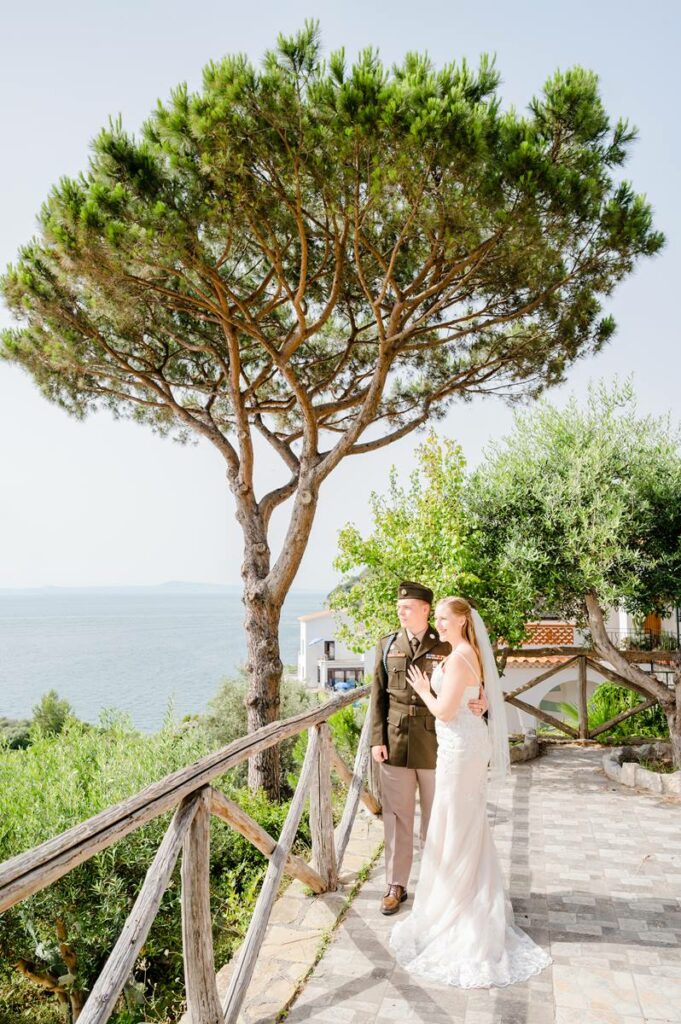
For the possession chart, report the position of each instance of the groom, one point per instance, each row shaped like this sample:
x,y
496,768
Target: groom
x,y
403,733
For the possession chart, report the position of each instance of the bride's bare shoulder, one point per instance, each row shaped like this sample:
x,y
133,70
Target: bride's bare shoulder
x,y
469,653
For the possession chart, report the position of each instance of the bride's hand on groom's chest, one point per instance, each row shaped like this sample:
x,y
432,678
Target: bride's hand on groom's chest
x,y
418,679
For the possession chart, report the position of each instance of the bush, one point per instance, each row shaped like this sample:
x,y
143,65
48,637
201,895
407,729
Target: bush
x,y
15,733
346,727
609,700
51,714
66,932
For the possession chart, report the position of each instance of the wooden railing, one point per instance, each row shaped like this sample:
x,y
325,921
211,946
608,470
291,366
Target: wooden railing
x,y
582,659
189,791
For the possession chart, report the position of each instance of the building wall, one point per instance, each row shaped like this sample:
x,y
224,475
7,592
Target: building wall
x,y
313,666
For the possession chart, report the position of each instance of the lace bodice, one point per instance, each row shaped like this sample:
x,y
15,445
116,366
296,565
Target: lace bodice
x,y
469,693
436,683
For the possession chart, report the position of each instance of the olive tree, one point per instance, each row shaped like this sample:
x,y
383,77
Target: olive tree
x,y
580,509
324,254
423,531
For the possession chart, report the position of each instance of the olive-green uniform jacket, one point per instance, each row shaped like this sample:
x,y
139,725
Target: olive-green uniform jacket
x,y
399,718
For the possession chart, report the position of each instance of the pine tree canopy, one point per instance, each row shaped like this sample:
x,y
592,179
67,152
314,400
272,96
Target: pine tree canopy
x,y
311,248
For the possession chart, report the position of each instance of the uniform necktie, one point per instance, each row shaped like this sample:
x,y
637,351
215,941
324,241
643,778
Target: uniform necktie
x,y
414,643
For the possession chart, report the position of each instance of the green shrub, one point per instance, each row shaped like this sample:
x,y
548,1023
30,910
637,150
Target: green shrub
x,y
51,714
64,779
346,727
15,733
609,700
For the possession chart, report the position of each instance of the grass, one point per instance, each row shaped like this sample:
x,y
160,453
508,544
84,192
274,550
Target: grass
x,y
656,765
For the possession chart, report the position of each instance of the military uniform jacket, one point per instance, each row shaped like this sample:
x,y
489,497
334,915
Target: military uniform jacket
x,y
399,718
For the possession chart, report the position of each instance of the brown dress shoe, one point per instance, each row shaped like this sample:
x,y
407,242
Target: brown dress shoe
x,y
395,895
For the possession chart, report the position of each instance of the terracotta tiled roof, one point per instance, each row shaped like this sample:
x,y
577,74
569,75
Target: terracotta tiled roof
x,y
552,659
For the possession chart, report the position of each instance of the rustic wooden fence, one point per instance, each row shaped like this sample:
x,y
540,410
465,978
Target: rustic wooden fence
x,y
190,792
581,659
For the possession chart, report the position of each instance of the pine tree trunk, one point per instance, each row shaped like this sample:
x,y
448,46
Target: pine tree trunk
x,y
265,588
264,670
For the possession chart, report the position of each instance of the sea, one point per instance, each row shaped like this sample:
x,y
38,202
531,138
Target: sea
x,y
141,650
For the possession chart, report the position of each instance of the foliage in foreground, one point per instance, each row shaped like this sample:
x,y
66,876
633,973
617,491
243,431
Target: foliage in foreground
x,y
62,935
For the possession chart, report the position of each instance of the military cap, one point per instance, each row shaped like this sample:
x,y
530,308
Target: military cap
x,y
408,589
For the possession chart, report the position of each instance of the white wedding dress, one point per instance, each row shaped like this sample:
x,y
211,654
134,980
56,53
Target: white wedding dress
x,y
461,930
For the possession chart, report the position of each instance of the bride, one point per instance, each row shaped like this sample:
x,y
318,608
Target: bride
x,y
461,930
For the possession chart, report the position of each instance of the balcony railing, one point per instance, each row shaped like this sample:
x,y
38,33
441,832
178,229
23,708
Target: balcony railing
x,y
643,640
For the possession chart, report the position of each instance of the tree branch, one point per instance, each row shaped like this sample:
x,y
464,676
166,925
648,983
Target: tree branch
x,y
650,683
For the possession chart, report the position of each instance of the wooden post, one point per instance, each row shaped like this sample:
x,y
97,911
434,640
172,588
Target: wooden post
x,y
583,709
321,816
258,926
203,1002
109,984
374,782
374,772
354,791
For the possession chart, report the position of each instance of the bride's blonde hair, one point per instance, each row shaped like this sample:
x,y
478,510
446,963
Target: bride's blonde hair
x,y
460,606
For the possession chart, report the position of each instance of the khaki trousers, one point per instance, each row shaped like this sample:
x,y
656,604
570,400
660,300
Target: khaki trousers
x,y
398,791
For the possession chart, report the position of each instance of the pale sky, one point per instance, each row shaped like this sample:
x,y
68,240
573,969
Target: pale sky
x,y
104,502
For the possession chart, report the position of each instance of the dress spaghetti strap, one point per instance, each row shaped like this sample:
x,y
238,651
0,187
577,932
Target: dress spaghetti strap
x,y
471,667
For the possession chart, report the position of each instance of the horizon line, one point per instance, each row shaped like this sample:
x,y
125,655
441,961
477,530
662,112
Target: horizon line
x,y
142,586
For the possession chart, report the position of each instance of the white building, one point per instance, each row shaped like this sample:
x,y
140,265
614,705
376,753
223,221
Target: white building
x,y
322,659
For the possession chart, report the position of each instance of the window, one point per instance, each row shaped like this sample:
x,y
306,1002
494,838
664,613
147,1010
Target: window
x,y
345,675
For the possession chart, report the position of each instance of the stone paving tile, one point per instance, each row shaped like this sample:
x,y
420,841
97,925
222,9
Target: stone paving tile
x,y
594,872
296,930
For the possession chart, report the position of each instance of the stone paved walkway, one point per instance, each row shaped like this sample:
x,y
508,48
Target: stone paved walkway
x,y
595,875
